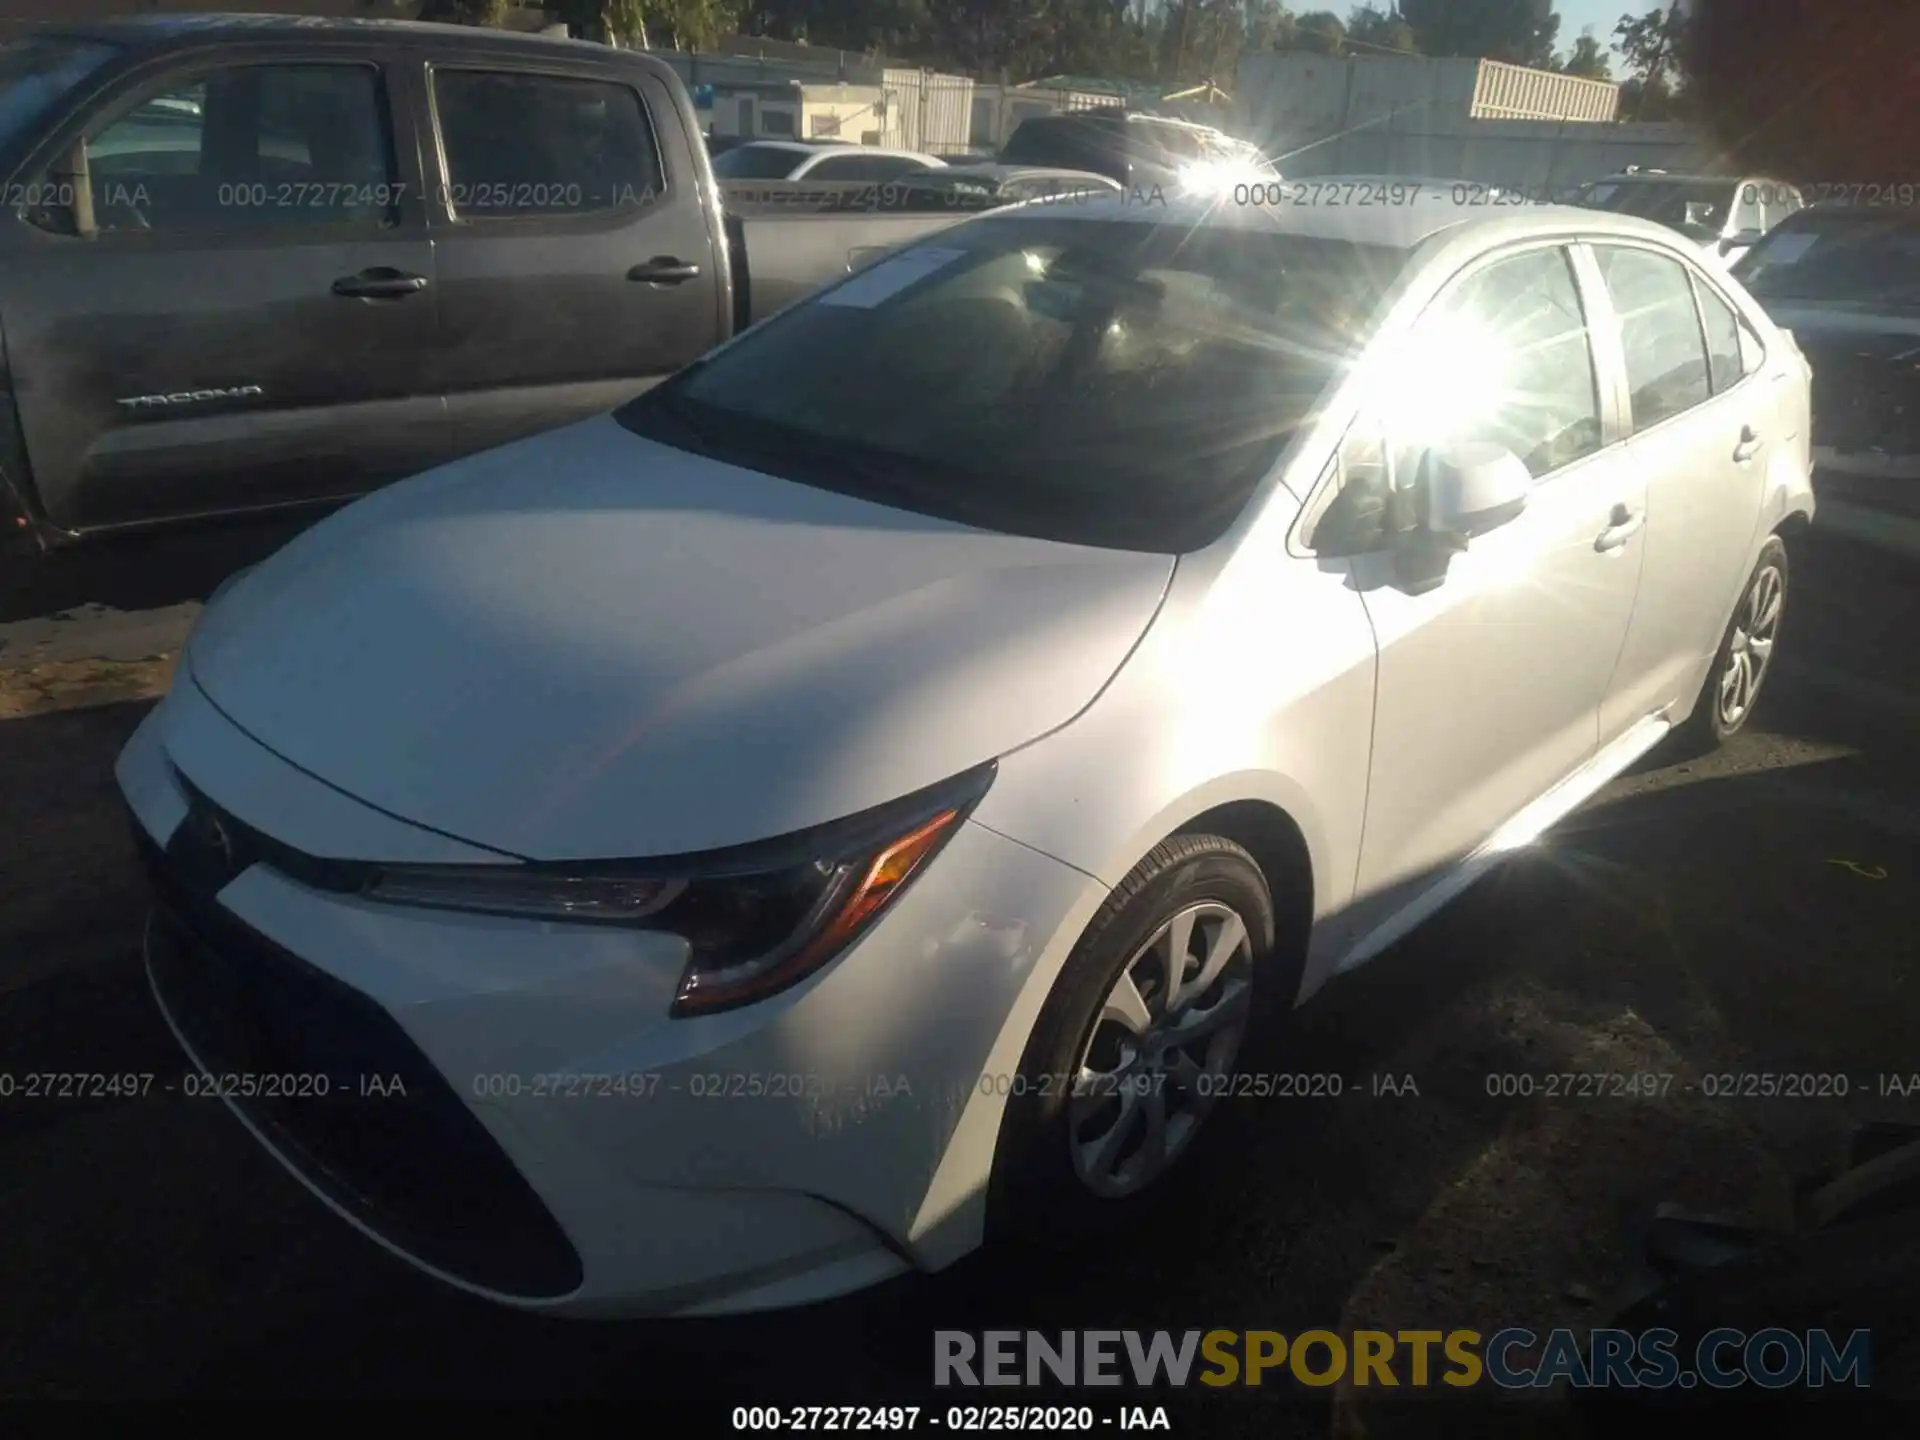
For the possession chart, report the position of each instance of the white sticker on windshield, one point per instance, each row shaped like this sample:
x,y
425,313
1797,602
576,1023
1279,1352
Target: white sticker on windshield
x,y
889,277
1786,249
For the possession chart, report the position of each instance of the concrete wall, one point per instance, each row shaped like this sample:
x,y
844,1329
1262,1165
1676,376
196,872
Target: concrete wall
x,y
1528,154
1412,116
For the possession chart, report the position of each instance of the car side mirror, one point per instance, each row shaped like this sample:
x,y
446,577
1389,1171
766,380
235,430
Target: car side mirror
x,y
1473,488
1463,491
1745,240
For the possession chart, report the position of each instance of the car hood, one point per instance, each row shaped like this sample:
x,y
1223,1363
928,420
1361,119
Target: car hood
x,y
590,645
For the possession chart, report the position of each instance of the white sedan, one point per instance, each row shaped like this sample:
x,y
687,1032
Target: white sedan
x,y
882,785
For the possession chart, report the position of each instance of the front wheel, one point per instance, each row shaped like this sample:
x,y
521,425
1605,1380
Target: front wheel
x,y
1140,1035
1745,657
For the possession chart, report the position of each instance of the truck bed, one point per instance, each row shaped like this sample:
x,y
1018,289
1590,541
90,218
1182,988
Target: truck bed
x,y
782,255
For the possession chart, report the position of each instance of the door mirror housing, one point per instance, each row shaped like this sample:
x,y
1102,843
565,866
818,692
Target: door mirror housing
x,y
1462,491
1473,488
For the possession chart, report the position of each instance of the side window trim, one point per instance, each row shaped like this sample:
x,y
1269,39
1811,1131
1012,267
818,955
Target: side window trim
x,y
1703,288
108,107
1603,348
1687,268
438,172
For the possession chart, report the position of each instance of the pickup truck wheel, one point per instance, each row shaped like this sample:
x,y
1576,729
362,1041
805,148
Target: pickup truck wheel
x,y
1139,1038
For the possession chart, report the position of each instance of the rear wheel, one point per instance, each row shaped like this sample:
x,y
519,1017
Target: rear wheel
x,y
1745,657
1140,1036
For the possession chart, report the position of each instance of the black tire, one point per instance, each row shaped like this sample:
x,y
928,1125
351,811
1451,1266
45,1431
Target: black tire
x,y
1035,1185
1709,726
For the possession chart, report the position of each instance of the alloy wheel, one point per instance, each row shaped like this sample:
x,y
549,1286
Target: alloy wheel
x,y
1160,1048
1755,628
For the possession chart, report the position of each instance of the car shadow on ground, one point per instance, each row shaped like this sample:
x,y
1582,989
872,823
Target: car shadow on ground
x,y
1691,921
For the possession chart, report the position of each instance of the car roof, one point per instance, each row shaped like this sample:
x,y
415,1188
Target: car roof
x,y
993,170
842,148
1399,227
1667,177
162,31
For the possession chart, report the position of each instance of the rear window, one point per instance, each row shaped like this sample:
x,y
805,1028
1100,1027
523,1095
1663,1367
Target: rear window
x,y
1104,383
757,162
1846,255
36,72
1069,143
1668,201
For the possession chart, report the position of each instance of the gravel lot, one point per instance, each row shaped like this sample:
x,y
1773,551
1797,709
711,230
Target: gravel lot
x,y
1754,912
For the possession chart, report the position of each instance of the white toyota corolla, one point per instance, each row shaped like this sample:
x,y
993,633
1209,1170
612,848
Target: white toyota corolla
x,y
878,784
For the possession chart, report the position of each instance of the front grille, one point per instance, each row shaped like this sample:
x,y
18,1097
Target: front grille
x,y
388,1141
1865,402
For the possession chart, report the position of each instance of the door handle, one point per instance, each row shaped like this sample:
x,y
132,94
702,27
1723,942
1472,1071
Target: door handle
x,y
1749,445
664,270
1622,526
381,283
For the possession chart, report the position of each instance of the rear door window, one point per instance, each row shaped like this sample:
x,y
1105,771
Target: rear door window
x,y
1667,367
520,145
1724,363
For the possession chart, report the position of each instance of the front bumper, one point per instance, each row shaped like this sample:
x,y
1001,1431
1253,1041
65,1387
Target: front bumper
x,y
507,1105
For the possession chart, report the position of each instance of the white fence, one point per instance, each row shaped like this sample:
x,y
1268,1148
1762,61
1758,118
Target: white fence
x,y
927,111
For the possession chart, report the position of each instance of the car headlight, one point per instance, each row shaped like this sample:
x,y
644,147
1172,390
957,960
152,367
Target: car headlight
x,y
758,918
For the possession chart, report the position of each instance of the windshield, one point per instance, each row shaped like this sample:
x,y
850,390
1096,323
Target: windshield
x,y
1105,383
36,72
1838,255
1665,201
756,162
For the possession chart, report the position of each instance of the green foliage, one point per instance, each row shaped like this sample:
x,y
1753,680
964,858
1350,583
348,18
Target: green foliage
x,y
464,12
1656,45
1819,91
1588,59
1521,32
1373,31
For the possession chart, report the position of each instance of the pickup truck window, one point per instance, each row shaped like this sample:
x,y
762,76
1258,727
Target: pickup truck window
x,y
1105,383
37,71
248,146
524,144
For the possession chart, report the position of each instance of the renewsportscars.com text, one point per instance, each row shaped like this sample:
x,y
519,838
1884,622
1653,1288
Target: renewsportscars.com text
x,y
1512,1358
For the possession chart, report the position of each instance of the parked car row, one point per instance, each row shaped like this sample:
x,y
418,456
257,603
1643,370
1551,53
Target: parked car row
x,y
1724,214
250,262
953,723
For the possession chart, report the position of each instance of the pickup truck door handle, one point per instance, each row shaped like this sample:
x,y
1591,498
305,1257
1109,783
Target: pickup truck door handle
x,y
382,282
1622,525
664,270
1748,446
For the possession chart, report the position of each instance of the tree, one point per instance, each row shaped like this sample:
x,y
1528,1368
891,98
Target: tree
x,y
1816,91
464,12
1321,32
1374,31
1521,32
1656,47
1588,59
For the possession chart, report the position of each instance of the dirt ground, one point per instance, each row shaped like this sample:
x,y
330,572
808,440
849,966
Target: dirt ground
x,y
1754,912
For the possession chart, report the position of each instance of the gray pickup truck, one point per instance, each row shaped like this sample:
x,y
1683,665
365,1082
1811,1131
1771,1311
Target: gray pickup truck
x,y
254,262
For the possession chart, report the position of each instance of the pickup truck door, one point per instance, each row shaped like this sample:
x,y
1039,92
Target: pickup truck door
x,y
576,263
251,322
